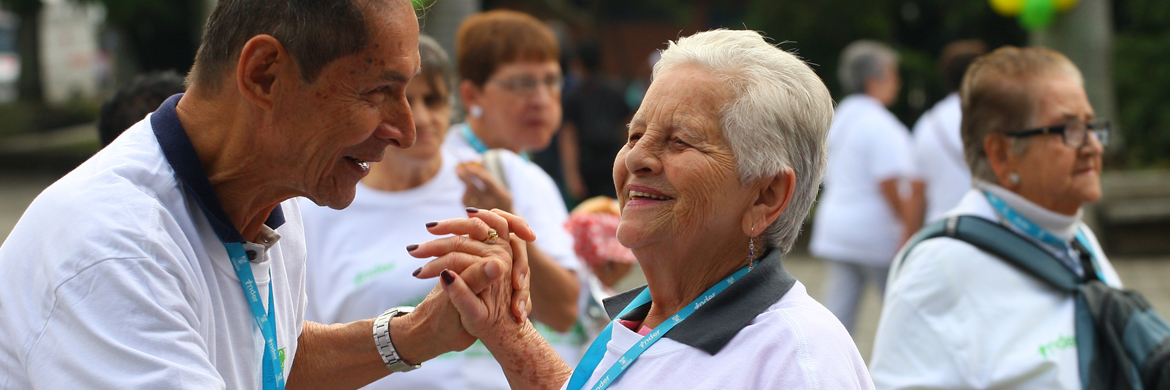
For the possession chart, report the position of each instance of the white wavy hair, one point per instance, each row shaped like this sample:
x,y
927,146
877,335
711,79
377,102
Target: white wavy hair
x,y
778,119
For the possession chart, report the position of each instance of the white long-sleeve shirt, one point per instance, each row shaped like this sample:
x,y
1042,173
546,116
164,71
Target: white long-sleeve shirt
x,y
955,317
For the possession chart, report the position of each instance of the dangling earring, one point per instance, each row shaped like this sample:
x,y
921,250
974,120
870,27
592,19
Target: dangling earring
x,y
1014,178
752,251
475,110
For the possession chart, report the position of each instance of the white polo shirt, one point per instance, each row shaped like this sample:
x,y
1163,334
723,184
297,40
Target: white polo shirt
x,y
115,279
938,147
955,317
854,222
762,332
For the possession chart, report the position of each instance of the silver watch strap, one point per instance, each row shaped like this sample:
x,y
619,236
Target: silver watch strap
x,y
385,345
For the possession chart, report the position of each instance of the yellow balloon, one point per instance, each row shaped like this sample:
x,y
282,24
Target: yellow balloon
x,y
1065,5
1010,8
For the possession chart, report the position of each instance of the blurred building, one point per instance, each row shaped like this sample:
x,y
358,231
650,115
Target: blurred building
x,y
9,60
70,60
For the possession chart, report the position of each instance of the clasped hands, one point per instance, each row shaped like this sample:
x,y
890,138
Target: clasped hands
x,y
475,299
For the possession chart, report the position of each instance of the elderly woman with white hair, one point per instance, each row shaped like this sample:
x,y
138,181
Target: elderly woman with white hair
x,y
864,216
959,317
721,166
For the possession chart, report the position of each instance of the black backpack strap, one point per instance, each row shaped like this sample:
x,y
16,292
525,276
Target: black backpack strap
x,y
1004,244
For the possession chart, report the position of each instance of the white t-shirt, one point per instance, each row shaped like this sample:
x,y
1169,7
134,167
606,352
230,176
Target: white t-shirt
x,y
955,317
854,222
939,148
115,279
794,344
358,267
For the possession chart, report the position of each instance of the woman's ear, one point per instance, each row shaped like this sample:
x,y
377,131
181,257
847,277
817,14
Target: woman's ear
x,y
469,94
771,199
1002,161
263,63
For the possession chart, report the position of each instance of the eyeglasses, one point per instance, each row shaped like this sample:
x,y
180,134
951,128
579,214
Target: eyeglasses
x,y
526,86
1075,132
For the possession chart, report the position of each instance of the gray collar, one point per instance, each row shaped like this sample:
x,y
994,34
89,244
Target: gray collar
x,y
712,326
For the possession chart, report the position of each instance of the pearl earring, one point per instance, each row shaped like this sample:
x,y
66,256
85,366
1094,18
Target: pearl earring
x,y
475,110
1014,178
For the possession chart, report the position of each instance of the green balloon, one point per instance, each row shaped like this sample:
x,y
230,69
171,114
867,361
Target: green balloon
x,y
1037,14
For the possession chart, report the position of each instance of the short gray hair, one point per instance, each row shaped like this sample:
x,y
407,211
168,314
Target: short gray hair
x,y
778,119
999,95
861,61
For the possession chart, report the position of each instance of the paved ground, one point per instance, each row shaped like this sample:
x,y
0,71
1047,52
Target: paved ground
x,y
1149,275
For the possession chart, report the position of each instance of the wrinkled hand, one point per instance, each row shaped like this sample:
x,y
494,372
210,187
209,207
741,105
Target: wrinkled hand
x,y
483,190
486,315
480,265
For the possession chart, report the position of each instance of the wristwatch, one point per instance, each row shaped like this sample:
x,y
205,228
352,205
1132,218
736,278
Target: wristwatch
x,y
385,346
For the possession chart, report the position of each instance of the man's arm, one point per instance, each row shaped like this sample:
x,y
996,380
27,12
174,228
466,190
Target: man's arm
x,y
344,356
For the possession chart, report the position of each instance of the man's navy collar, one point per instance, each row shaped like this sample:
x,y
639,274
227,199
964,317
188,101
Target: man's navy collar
x,y
179,152
712,326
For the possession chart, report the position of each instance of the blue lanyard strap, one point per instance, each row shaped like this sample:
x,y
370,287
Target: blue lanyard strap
x,y
1035,231
474,140
478,144
266,321
596,351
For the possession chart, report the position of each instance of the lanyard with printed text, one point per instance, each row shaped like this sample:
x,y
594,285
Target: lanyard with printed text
x,y
1035,231
596,351
273,371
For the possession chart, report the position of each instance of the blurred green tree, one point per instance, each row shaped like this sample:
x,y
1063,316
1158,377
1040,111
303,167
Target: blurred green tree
x,y
1141,51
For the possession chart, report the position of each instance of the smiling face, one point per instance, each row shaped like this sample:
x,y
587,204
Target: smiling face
x,y
1052,174
331,128
676,176
515,120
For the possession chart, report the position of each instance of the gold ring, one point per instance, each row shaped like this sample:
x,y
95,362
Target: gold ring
x,y
492,236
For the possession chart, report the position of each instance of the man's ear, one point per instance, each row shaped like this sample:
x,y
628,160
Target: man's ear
x,y
771,201
1001,159
263,61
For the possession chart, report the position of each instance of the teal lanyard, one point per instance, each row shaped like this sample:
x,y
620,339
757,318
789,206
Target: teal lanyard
x,y
478,144
273,372
1035,231
596,351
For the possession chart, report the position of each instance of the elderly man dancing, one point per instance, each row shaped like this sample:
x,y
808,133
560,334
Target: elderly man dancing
x,y
173,258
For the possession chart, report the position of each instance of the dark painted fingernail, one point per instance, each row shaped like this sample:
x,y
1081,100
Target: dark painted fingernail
x,y
411,247
472,210
448,277
432,224
415,273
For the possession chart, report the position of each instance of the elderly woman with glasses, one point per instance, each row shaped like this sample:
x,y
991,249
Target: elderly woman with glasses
x,y
722,163
957,317
510,87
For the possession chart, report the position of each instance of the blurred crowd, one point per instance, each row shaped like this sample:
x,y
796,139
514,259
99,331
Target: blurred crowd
x,y
546,131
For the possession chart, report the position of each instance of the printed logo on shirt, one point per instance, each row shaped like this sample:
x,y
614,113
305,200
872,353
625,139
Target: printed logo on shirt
x,y
280,353
365,276
1062,342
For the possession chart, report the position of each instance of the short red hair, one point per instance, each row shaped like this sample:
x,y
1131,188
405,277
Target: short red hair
x,y
487,40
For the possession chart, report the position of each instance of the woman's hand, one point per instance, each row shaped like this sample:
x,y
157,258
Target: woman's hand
x,y
483,190
481,264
